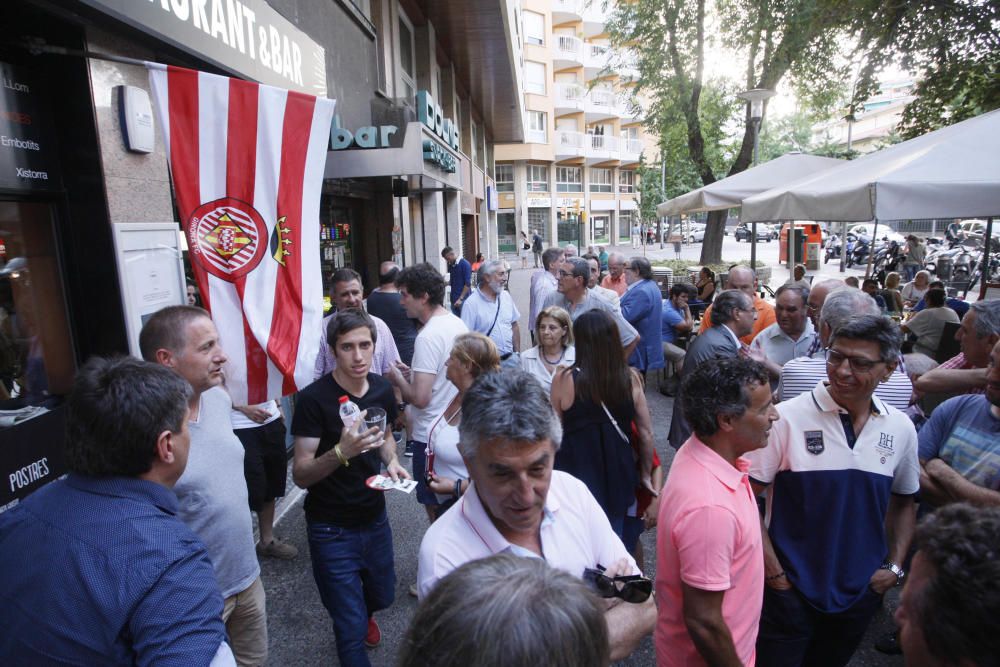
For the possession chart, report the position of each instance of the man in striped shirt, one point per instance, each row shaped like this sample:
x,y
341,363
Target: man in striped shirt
x,y
840,307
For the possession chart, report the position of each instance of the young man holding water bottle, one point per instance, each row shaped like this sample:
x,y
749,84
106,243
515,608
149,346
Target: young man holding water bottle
x,y
350,540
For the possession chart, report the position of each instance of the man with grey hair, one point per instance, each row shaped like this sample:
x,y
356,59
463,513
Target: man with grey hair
x,y
965,373
490,310
517,503
843,304
576,299
744,279
569,250
544,281
842,477
608,295
733,317
642,306
615,280
790,337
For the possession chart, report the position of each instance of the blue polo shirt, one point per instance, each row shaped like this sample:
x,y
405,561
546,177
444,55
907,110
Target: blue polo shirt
x,y
826,507
671,317
100,571
460,276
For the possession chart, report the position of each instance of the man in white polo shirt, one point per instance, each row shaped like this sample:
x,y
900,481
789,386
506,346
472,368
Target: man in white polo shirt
x,y
841,474
516,503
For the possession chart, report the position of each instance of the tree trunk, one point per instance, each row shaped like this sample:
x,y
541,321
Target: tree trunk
x,y
711,247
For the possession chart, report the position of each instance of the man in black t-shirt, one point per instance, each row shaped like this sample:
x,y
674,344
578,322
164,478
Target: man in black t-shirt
x,y
384,303
350,540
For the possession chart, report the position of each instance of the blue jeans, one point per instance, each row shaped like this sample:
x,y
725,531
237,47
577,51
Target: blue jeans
x,y
356,576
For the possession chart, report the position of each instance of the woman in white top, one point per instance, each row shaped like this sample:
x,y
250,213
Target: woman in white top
x,y
914,291
471,355
554,329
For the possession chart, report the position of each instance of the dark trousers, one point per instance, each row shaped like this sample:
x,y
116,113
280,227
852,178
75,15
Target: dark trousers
x,y
793,633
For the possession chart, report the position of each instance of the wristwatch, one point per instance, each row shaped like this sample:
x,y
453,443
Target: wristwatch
x,y
895,569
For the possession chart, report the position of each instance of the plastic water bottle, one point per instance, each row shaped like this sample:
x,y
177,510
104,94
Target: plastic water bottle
x,y
349,412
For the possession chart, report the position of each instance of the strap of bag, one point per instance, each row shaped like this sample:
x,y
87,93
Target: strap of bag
x,y
615,424
496,316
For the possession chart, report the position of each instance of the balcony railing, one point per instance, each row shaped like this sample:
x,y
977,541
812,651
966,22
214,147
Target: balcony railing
x,y
536,136
604,143
571,7
596,56
569,48
570,95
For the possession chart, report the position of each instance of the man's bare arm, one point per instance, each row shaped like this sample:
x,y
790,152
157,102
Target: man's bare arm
x,y
627,625
416,391
515,330
959,488
950,380
708,629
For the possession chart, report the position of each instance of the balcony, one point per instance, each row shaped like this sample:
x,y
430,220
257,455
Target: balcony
x,y
569,98
565,11
631,149
601,104
532,136
594,18
570,144
568,52
602,148
596,59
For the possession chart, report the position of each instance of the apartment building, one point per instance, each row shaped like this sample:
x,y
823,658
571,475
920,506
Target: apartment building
x,y
574,178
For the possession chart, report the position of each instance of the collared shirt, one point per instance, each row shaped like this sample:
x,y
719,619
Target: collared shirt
x,y
626,331
101,571
492,317
800,375
608,295
543,283
779,347
384,356
618,285
831,486
459,277
765,318
708,538
577,536
531,361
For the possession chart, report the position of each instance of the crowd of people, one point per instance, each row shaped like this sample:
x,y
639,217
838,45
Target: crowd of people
x,y
538,474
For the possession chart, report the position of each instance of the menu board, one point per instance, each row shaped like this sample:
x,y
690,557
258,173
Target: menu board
x,y
28,159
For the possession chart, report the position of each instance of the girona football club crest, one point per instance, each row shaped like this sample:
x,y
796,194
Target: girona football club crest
x,y
227,237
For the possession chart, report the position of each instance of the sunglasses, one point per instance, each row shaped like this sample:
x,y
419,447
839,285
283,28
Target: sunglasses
x,y
633,588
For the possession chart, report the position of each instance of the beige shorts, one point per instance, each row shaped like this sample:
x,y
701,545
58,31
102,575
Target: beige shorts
x,y
245,616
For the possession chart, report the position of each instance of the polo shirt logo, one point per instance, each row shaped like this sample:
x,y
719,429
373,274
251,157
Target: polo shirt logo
x,y
884,446
814,442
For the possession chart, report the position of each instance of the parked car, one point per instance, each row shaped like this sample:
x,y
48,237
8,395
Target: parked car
x,y
696,234
764,232
974,230
884,232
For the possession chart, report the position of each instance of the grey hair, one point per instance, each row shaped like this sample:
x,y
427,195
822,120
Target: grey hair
x,y
616,255
581,268
917,364
505,610
487,269
727,303
550,255
875,328
743,267
507,406
642,267
844,304
719,387
798,289
987,317
576,251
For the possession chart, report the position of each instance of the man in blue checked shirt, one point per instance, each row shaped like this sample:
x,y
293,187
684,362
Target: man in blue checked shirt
x,y
96,568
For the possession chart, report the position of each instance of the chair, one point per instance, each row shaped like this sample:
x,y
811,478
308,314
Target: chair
x,y
948,347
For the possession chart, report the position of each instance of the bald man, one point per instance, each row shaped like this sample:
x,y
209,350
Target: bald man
x,y
744,279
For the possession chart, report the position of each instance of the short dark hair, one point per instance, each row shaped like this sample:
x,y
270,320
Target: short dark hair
x,y
934,298
389,276
933,284
445,251
727,303
580,268
347,320
803,292
344,275
681,288
421,279
876,328
869,281
719,387
958,607
167,329
550,255
116,411
505,610
642,267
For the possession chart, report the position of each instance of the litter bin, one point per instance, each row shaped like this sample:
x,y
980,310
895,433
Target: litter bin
x,y
813,256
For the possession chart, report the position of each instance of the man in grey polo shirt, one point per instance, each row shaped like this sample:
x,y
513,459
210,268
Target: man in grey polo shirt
x,y
576,299
490,310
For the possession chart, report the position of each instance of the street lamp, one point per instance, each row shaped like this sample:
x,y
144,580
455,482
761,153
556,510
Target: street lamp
x,y
756,98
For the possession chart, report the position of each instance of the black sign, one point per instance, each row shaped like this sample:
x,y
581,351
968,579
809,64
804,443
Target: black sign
x,y
31,455
28,159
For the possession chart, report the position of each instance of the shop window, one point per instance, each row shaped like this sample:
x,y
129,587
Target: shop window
x,y
626,180
506,231
538,223
534,27
538,178
36,350
534,77
569,179
600,180
625,225
505,177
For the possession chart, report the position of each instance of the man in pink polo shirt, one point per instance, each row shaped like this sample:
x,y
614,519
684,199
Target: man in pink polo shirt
x,y
710,563
515,503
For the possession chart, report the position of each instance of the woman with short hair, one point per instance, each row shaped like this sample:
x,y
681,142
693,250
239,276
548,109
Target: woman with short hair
x,y
554,330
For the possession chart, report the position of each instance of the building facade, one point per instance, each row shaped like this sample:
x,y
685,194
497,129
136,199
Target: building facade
x,y
874,122
423,90
573,180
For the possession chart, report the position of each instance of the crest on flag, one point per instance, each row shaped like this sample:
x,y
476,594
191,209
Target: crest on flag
x,y
247,163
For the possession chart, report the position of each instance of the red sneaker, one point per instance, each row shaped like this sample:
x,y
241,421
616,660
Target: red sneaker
x,y
374,636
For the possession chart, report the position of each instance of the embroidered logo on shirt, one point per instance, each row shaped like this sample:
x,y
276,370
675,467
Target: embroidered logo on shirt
x,y
814,442
884,446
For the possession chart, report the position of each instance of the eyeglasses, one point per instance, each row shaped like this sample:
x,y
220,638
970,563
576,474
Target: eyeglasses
x,y
564,274
633,588
858,364
751,310
811,308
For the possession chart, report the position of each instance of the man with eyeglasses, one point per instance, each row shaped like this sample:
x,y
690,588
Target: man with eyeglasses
x,y
642,306
744,279
615,280
517,503
841,475
709,554
843,304
576,299
608,295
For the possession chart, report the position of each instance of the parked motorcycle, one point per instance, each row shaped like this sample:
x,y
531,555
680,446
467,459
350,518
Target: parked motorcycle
x,y
858,252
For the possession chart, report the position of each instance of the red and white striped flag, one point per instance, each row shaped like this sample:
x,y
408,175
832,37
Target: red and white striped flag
x,y
247,162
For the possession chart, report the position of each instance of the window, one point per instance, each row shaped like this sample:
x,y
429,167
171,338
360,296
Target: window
x,y
538,178
474,153
407,60
534,77
569,179
537,127
625,225
534,27
600,180
505,178
626,180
